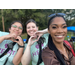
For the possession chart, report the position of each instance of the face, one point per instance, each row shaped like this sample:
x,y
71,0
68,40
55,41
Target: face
x,y
16,28
31,28
58,29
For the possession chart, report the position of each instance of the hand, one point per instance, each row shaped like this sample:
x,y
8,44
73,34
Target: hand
x,y
19,41
11,36
39,34
31,40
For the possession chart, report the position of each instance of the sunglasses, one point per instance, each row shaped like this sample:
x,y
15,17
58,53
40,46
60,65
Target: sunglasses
x,y
61,14
17,27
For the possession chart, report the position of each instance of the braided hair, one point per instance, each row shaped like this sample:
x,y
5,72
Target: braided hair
x,y
51,44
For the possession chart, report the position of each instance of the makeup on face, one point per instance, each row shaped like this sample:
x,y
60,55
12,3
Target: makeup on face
x,y
58,29
17,27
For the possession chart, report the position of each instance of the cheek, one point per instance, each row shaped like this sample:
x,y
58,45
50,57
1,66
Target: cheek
x,y
51,31
20,31
11,29
35,29
27,30
66,32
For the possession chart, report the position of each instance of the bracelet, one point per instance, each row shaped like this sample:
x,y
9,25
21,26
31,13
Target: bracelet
x,y
21,46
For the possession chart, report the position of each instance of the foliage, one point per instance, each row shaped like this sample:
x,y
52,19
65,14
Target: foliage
x,y
39,15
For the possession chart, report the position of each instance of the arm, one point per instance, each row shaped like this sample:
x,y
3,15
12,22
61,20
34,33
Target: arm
x,y
17,57
7,37
45,31
2,38
41,32
26,58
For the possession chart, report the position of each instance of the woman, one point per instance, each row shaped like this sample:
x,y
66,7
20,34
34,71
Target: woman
x,y
57,51
13,55
32,50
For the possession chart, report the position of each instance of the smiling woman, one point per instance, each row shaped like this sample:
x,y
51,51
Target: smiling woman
x,y
32,49
57,52
11,44
58,29
31,28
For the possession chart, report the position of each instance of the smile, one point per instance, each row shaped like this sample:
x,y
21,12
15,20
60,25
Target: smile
x,y
59,36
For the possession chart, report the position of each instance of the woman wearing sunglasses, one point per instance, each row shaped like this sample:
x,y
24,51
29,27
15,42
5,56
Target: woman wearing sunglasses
x,y
58,52
13,55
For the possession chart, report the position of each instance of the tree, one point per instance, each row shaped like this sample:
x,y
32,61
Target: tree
x,y
3,20
39,15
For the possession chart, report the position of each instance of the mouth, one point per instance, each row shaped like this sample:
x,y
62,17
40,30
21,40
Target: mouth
x,y
59,36
17,33
31,33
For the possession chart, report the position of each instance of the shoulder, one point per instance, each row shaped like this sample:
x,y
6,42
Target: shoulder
x,y
68,44
45,35
47,52
49,57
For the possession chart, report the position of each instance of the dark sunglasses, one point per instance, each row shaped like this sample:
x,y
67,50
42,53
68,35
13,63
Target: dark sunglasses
x,y
61,14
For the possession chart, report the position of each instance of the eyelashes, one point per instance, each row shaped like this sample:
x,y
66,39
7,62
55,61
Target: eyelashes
x,y
64,26
56,27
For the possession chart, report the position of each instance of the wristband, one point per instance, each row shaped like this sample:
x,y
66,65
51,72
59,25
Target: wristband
x,y
21,46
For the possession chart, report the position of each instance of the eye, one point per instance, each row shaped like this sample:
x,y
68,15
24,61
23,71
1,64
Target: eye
x,y
28,27
64,26
54,27
33,27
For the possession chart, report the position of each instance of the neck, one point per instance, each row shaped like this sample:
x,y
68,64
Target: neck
x,y
59,46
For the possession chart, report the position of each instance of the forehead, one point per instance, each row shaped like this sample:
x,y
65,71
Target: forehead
x,y
17,24
31,24
58,20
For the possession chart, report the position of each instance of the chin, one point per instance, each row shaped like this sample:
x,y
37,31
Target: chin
x,y
59,41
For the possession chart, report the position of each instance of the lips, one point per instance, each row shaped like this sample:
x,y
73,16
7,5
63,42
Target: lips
x,y
31,32
59,36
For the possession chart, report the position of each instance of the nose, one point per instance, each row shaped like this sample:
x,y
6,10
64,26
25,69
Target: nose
x,y
17,28
31,28
59,30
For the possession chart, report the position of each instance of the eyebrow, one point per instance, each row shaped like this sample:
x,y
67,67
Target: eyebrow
x,y
57,24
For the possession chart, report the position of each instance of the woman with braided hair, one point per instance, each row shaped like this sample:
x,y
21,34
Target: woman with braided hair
x,y
58,51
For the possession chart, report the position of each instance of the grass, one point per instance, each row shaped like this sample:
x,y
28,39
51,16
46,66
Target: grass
x,y
70,34
24,36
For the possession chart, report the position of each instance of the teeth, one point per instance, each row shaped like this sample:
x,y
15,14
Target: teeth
x,y
31,32
60,36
